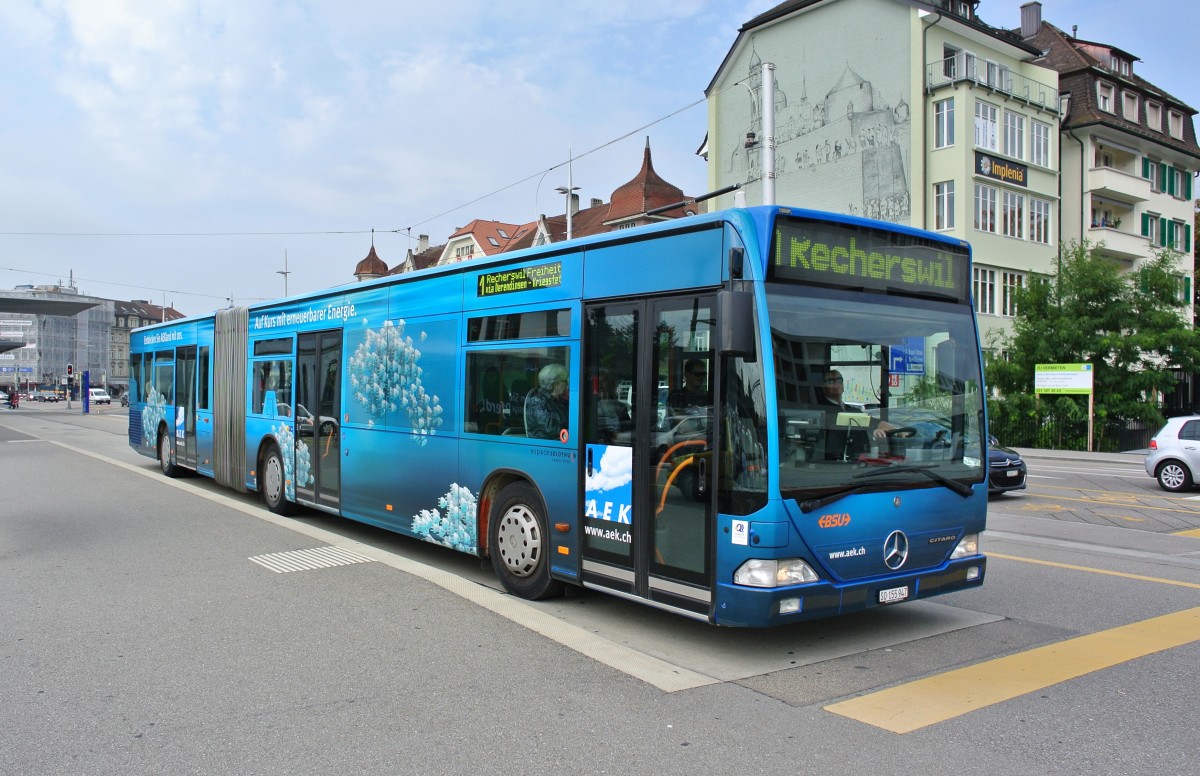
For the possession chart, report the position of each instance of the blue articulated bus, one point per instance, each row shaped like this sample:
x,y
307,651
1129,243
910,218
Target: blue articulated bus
x,y
749,417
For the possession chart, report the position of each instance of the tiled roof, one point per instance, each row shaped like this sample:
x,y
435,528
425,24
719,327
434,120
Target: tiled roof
x,y
645,192
1079,72
371,266
146,310
490,236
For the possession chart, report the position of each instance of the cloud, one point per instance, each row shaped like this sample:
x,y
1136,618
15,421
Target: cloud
x,y
615,470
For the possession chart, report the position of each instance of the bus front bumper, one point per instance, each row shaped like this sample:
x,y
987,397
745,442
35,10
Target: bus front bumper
x,y
742,606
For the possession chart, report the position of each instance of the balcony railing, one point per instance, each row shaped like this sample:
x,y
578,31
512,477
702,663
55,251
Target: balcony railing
x,y
988,75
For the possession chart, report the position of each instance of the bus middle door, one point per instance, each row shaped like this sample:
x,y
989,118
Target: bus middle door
x,y
648,469
318,417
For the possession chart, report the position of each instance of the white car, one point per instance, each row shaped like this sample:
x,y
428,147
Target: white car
x,y
99,396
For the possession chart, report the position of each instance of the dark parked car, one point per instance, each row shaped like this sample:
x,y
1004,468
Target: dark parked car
x,y
1006,470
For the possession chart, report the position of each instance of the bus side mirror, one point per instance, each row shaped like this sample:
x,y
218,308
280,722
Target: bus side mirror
x,y
735,317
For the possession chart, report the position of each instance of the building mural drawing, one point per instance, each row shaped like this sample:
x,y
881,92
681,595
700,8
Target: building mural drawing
x,y
851,142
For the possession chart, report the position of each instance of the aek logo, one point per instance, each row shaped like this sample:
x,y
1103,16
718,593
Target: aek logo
x,y
834,521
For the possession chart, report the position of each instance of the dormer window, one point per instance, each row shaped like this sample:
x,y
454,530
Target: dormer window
x,y
1175,124
1129,106
1154,116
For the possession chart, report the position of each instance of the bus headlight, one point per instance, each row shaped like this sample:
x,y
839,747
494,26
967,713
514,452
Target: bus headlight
x,y
774,573
967,546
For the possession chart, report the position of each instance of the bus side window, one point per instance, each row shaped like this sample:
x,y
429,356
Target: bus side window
x,y
499,382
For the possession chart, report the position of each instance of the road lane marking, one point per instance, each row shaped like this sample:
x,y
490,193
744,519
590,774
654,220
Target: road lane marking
x,y
915,705
1190,532
1089,569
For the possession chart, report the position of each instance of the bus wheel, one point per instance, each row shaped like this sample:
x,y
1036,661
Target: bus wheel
x,y
520,545
164,456
273,483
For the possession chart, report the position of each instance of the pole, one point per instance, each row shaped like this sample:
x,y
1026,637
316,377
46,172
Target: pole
x,y
768,121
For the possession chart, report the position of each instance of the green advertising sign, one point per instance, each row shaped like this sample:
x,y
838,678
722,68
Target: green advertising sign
x,y
1063,378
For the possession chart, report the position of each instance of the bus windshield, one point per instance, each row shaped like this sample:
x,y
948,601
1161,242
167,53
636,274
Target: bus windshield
x,y
874,392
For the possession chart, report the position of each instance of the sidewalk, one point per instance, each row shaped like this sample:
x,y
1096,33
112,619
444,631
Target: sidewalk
x,y
1129,458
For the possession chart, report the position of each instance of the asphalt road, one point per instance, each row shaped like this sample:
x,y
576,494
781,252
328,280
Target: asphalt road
x,y
146,632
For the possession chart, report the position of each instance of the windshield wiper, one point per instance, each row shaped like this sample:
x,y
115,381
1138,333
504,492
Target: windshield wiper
x,y
809,505
928,469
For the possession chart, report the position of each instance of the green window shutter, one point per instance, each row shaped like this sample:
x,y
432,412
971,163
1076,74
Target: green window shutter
x,y
1162,177
1187,238
1187,290
1146,166
1187,185
1145,224
1162,232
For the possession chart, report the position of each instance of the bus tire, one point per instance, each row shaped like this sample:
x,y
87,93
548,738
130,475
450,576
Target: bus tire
x,y
519,543
274,483
164,455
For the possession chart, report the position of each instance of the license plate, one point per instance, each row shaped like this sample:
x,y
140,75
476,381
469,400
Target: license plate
x,y
894,594
1013,473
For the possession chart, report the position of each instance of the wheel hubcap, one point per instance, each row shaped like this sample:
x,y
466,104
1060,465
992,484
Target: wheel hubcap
x,y
274,479
519,540
1172,476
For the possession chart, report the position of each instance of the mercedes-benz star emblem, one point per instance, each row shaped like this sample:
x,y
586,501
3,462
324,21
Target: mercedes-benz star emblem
x,y
895,550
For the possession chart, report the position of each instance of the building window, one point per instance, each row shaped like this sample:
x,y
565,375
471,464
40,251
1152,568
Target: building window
x,y
1175,124
1014,215
1014,135
1150,228
1129,106
1154,116
1039,221
950,62
986,130
1010,282
1105,93
984,289
943,123
985,208
999,77
943,205
1150,172
1039,143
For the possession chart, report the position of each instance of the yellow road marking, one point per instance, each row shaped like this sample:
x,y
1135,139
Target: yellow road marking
x,y
1102,502
1106,572
919,704
1191,532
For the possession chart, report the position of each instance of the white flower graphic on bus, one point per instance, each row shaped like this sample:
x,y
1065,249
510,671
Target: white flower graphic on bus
x,y
454,527
154,413
385,377
302,468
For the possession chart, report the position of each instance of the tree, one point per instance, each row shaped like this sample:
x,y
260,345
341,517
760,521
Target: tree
x,y
1133,327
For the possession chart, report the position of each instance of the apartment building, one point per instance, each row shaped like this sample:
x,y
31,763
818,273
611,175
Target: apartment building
x,y
1129,151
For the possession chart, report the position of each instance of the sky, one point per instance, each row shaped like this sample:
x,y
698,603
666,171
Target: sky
x,y
187,151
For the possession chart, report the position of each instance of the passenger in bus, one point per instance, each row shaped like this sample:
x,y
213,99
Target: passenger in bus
x,y
693,397
546,406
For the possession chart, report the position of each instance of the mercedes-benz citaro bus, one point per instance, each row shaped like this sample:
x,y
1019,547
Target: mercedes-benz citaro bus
x,y
750,417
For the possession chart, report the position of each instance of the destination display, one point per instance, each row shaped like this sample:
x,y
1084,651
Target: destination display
x,y
522,279
861,258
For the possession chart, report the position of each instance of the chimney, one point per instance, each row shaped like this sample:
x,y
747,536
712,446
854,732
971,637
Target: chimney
x,y
422,243
1031,19
574,203
596,202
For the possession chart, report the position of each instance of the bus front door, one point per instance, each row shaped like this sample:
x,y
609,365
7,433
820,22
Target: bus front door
x,y
648,469
318,418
